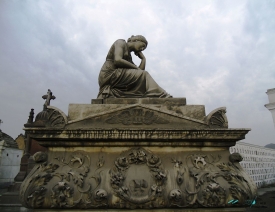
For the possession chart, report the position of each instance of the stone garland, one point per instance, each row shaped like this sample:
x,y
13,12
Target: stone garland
x,y
200,180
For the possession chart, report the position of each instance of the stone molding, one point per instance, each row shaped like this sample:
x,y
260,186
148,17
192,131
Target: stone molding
x,y
135,134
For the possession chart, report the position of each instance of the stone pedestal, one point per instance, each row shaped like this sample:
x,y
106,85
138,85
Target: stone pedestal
x,y
136,154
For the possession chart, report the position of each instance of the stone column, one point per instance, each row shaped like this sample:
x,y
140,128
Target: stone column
x,y
271,105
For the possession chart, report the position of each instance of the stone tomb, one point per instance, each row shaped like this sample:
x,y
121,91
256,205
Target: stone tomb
x,y
136,154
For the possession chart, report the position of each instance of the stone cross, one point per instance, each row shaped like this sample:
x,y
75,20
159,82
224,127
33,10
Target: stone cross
x,y
49,96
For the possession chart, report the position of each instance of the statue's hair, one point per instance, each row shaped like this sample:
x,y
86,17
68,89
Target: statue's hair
x,y
139,38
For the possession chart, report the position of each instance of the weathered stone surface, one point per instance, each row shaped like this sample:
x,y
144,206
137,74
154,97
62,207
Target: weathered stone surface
x,y
140,155
97,101
172,115
159,101
123,177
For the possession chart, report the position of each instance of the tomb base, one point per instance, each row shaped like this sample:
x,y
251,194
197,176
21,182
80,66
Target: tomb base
x,y
142,154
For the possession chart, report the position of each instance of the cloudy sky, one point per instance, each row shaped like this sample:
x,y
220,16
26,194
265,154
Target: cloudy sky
x,y
214,53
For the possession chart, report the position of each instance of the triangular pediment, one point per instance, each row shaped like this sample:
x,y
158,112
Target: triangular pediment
x,y
136,116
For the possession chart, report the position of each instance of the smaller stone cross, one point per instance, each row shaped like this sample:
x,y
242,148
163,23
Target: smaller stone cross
x,y
1,121
49,96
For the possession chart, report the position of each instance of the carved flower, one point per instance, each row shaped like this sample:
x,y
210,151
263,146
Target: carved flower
x,y
153,160
160,176
123,161
61,192
138,156
61,185
117,179
123,191
199,162
213,187
175,195
100,195
156,189
159,189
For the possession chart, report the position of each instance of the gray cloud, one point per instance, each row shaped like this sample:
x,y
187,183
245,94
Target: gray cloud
x,y
216,53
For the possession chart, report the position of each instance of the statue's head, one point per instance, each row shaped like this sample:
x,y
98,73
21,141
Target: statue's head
x,y
139,39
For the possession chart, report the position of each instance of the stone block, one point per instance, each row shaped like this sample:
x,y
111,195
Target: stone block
x,y
153,101
97,101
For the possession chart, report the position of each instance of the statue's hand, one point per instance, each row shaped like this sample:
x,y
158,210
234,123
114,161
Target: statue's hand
x,y
140,55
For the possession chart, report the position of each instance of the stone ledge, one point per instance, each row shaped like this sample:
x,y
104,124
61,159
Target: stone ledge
x,y
60,143
142,134
154,101
141,210
153,137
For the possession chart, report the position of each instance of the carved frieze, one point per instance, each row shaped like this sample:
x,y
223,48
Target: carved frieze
x,y
136,117
136,178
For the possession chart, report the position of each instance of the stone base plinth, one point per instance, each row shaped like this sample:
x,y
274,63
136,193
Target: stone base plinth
x,y
152,210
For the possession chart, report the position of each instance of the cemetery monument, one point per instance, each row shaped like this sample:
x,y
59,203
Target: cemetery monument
x,y
135,147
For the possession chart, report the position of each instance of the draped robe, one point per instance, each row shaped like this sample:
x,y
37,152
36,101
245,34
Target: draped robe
x,y
116,82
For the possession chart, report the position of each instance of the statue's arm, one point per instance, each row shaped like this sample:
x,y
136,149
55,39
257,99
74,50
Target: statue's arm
x,y
143,60
118,56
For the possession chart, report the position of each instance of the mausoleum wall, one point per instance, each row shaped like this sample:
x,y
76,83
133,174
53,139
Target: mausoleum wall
x,y
258,162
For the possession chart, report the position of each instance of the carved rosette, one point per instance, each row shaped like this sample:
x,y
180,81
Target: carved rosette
x,y
138,180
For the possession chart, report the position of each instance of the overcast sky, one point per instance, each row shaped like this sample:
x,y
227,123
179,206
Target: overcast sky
x,y
214,53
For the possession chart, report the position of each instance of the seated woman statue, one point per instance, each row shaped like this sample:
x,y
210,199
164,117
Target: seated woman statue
x,y
119,77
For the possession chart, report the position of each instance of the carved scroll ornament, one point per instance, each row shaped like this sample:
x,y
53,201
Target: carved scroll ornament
x,y
217,118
